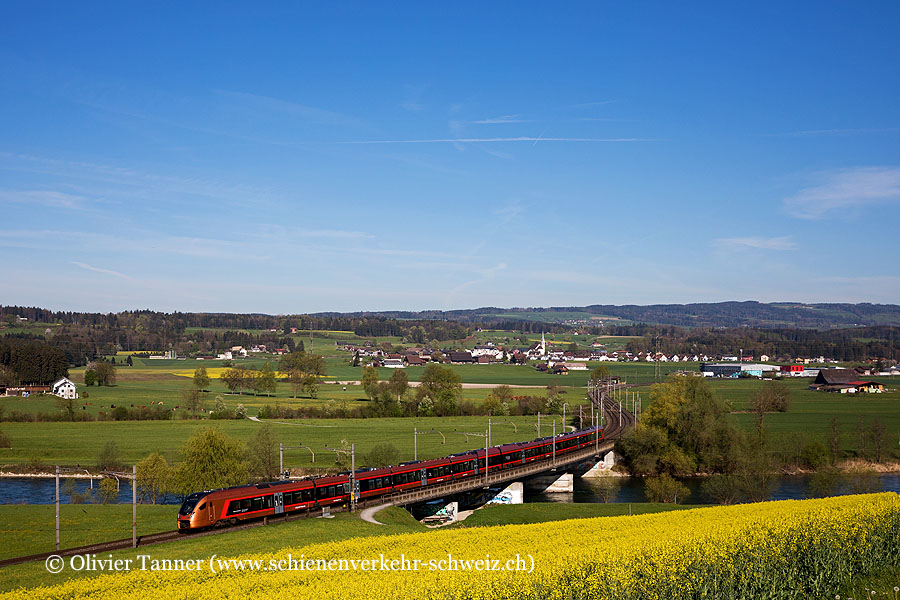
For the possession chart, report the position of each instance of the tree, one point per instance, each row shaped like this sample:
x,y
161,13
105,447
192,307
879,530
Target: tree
x,y
398,383
262,455
313,368
221,410
599,373
8,376
264,383
773,396
193,401
291,366
90,377
834,439
201,378
109,490
665,489
210,460
129,361
369,382
381,455
154,478
607,488
641,449
68,406
234,379
106,373
499,400
441,389
108,458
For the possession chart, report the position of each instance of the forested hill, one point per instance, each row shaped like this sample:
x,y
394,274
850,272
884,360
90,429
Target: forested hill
x,y
718,314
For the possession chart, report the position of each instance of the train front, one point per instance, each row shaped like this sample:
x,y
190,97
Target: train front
x,y
188,515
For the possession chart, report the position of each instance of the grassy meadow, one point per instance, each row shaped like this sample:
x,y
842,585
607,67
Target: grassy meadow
x,y
67,443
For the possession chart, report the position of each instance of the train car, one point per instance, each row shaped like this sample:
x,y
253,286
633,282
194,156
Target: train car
x,y
332,490
464,464
235,504
406,476
374,482
436,471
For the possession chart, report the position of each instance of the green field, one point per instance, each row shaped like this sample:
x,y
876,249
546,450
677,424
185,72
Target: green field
x,y
30,529
67,443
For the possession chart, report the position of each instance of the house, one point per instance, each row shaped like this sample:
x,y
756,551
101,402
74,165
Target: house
x,y
792,370
484,359
560,369
834,377
459,358
64,388
413,360
393,363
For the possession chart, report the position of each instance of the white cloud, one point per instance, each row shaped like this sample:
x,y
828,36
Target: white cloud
x,y
45,198
758,243
503,139
846,131
88,267
845,189
503,119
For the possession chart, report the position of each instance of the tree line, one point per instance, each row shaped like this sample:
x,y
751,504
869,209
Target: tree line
x,y
24,361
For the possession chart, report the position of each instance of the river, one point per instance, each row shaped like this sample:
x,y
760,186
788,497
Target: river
x,y
34,490
787,487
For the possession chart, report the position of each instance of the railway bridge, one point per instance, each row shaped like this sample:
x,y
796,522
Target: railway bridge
x,y
616,422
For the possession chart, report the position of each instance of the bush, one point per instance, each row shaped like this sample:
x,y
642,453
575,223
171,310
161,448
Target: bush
x,y
665,489
381,455
724,489
5,442
814,455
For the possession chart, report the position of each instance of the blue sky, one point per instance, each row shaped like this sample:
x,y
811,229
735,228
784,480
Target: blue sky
x,y
290,157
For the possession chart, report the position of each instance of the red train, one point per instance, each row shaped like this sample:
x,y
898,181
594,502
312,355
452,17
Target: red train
x,y
231,505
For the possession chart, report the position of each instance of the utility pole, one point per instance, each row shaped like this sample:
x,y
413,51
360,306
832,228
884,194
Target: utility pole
x,y
352,477
415,444
554,442
134,506
281,459
486,458
57,507
489,432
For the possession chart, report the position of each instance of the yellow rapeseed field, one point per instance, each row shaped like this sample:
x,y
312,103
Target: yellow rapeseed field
x,y
789,549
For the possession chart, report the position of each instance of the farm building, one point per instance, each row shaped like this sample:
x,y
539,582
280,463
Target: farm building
x,y
64,388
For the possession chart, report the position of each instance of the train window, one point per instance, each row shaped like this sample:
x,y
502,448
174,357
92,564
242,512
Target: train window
x,y
202,506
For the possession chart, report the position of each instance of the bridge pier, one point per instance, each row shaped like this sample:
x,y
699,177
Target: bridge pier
x,y
552,483
603,467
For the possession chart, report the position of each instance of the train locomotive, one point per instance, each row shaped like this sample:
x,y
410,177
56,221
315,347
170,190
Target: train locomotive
x,y
230,506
